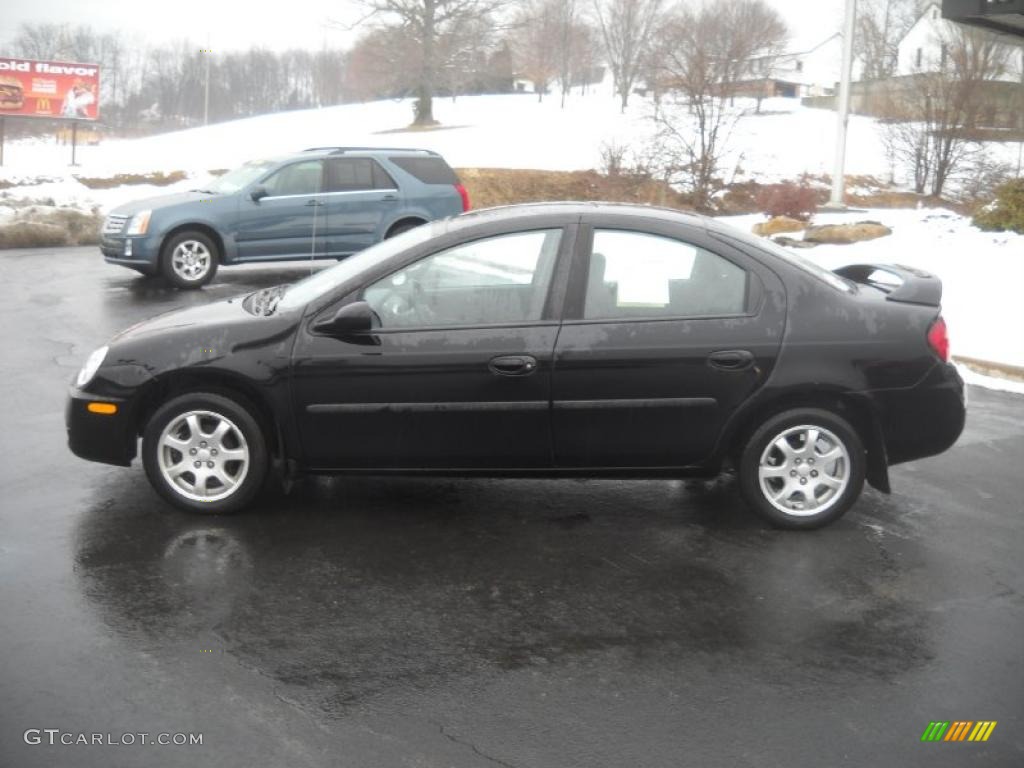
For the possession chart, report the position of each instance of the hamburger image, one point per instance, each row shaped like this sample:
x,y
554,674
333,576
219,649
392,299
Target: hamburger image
x,y
12,95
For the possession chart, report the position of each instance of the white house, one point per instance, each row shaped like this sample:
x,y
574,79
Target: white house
x,y
923,48
807,68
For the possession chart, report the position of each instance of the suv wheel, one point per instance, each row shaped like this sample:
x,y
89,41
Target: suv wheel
x,y
402,226
189,259
802,468
205,453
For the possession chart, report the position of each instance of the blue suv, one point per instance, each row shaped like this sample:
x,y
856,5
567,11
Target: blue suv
x,y
324,202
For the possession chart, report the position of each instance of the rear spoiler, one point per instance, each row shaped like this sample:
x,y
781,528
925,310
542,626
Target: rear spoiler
x,y
912,286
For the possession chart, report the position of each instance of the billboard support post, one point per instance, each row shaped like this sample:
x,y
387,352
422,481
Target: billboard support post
x,y
74,140
1,140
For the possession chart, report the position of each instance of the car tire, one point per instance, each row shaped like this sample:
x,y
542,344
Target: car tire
x,y
402,226
205,452
189,259
796,486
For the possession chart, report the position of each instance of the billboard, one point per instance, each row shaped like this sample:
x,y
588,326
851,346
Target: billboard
x,y
52,89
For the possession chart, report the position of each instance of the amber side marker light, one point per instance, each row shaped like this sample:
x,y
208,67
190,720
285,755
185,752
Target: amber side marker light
x,y
107,409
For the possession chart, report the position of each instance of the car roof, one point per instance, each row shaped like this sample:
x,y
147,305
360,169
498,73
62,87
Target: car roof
x,y
325,151
580,208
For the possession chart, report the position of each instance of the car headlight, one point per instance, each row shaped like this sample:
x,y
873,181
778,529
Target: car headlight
x,y
91,366
139,223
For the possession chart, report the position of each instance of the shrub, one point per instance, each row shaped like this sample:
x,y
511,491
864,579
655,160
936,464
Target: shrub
x,y
795,201
25,234
1006,212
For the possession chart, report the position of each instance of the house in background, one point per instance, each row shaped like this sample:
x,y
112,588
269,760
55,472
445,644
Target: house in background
x,y
805,69
924,48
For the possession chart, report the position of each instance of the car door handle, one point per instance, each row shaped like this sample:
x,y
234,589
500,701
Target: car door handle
x,y
313,203
390,197
731,360
513,365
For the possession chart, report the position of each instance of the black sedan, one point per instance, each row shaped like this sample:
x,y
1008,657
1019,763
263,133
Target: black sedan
x,y
558,340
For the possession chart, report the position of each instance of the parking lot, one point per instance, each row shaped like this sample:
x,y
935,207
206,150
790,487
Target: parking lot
x,y
437,622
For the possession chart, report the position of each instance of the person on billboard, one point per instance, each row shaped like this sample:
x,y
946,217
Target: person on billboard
x,y
77,100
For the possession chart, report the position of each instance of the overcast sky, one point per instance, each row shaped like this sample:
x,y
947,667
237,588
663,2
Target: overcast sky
x,y
232,24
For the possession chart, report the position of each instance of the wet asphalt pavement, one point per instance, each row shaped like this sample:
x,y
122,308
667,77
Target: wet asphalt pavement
x,y
418,622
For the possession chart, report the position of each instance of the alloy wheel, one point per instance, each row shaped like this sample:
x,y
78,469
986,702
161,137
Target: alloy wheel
x,y
203,455
804,470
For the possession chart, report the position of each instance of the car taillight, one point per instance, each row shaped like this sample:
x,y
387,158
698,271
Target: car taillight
x,y
938,339
464,195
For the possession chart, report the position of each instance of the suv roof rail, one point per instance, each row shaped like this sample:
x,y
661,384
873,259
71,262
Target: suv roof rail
x,y
343,150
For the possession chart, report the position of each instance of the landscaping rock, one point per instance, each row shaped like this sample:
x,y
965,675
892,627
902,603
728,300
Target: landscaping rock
x,y
845,234
778,225
789,242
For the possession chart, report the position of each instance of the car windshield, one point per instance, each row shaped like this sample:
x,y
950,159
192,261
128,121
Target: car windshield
x,y
316,285
232,181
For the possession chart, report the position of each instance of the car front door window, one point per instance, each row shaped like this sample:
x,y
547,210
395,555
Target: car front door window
x,y
500,280
296,179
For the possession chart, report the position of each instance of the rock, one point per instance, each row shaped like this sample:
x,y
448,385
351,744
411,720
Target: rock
x,y
778,225
845,234
789,242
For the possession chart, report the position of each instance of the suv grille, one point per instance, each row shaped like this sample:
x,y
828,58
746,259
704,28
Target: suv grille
x,y
114,224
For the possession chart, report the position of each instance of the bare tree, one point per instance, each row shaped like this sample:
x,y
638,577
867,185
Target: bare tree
x,y
627,27
535,41
425,21
881,25
935,119
704,53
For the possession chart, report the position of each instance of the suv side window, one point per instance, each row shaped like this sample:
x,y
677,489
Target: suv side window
x,y
639,275
349,174
295,179
496,280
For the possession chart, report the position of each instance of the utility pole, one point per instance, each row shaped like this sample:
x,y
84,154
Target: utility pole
x,y
206,92
843,111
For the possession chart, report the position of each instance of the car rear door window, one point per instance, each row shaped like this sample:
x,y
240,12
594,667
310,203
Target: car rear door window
x,y
429,170
349,174
492,281
640,275
296,179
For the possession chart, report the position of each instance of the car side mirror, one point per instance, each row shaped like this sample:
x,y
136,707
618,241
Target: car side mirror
x,y
352,319
258,193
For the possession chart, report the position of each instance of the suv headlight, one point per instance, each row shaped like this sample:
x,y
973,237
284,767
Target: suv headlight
x,y
139,223
91,366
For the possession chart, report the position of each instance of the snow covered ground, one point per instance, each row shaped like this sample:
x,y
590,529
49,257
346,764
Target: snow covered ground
x,y
502,131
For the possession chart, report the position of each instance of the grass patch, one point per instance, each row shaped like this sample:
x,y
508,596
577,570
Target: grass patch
x,y
489,187
53,228
158,178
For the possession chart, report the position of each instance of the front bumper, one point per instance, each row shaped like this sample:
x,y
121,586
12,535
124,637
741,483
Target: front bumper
x,y
109,439
138,252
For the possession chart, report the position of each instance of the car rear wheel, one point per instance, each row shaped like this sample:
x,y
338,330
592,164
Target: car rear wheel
x,y
189,259
802,468
204,452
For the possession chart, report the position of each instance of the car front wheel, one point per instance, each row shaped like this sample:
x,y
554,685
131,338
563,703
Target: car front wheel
x,y
189,259
204,452
802,468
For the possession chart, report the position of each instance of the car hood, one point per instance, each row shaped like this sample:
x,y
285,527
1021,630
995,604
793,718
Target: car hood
x,y
210,316
161,202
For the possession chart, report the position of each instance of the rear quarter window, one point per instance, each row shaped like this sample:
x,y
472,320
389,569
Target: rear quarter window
x,y
429,170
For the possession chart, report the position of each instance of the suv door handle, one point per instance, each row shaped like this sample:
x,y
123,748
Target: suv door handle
x,y
313,203
513,365
731,360
390,197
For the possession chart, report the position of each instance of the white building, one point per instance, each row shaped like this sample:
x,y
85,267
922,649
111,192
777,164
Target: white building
x,y
924,47
808,68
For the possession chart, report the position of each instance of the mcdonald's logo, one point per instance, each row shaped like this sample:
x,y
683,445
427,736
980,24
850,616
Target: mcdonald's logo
x,y
43,105
959,730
